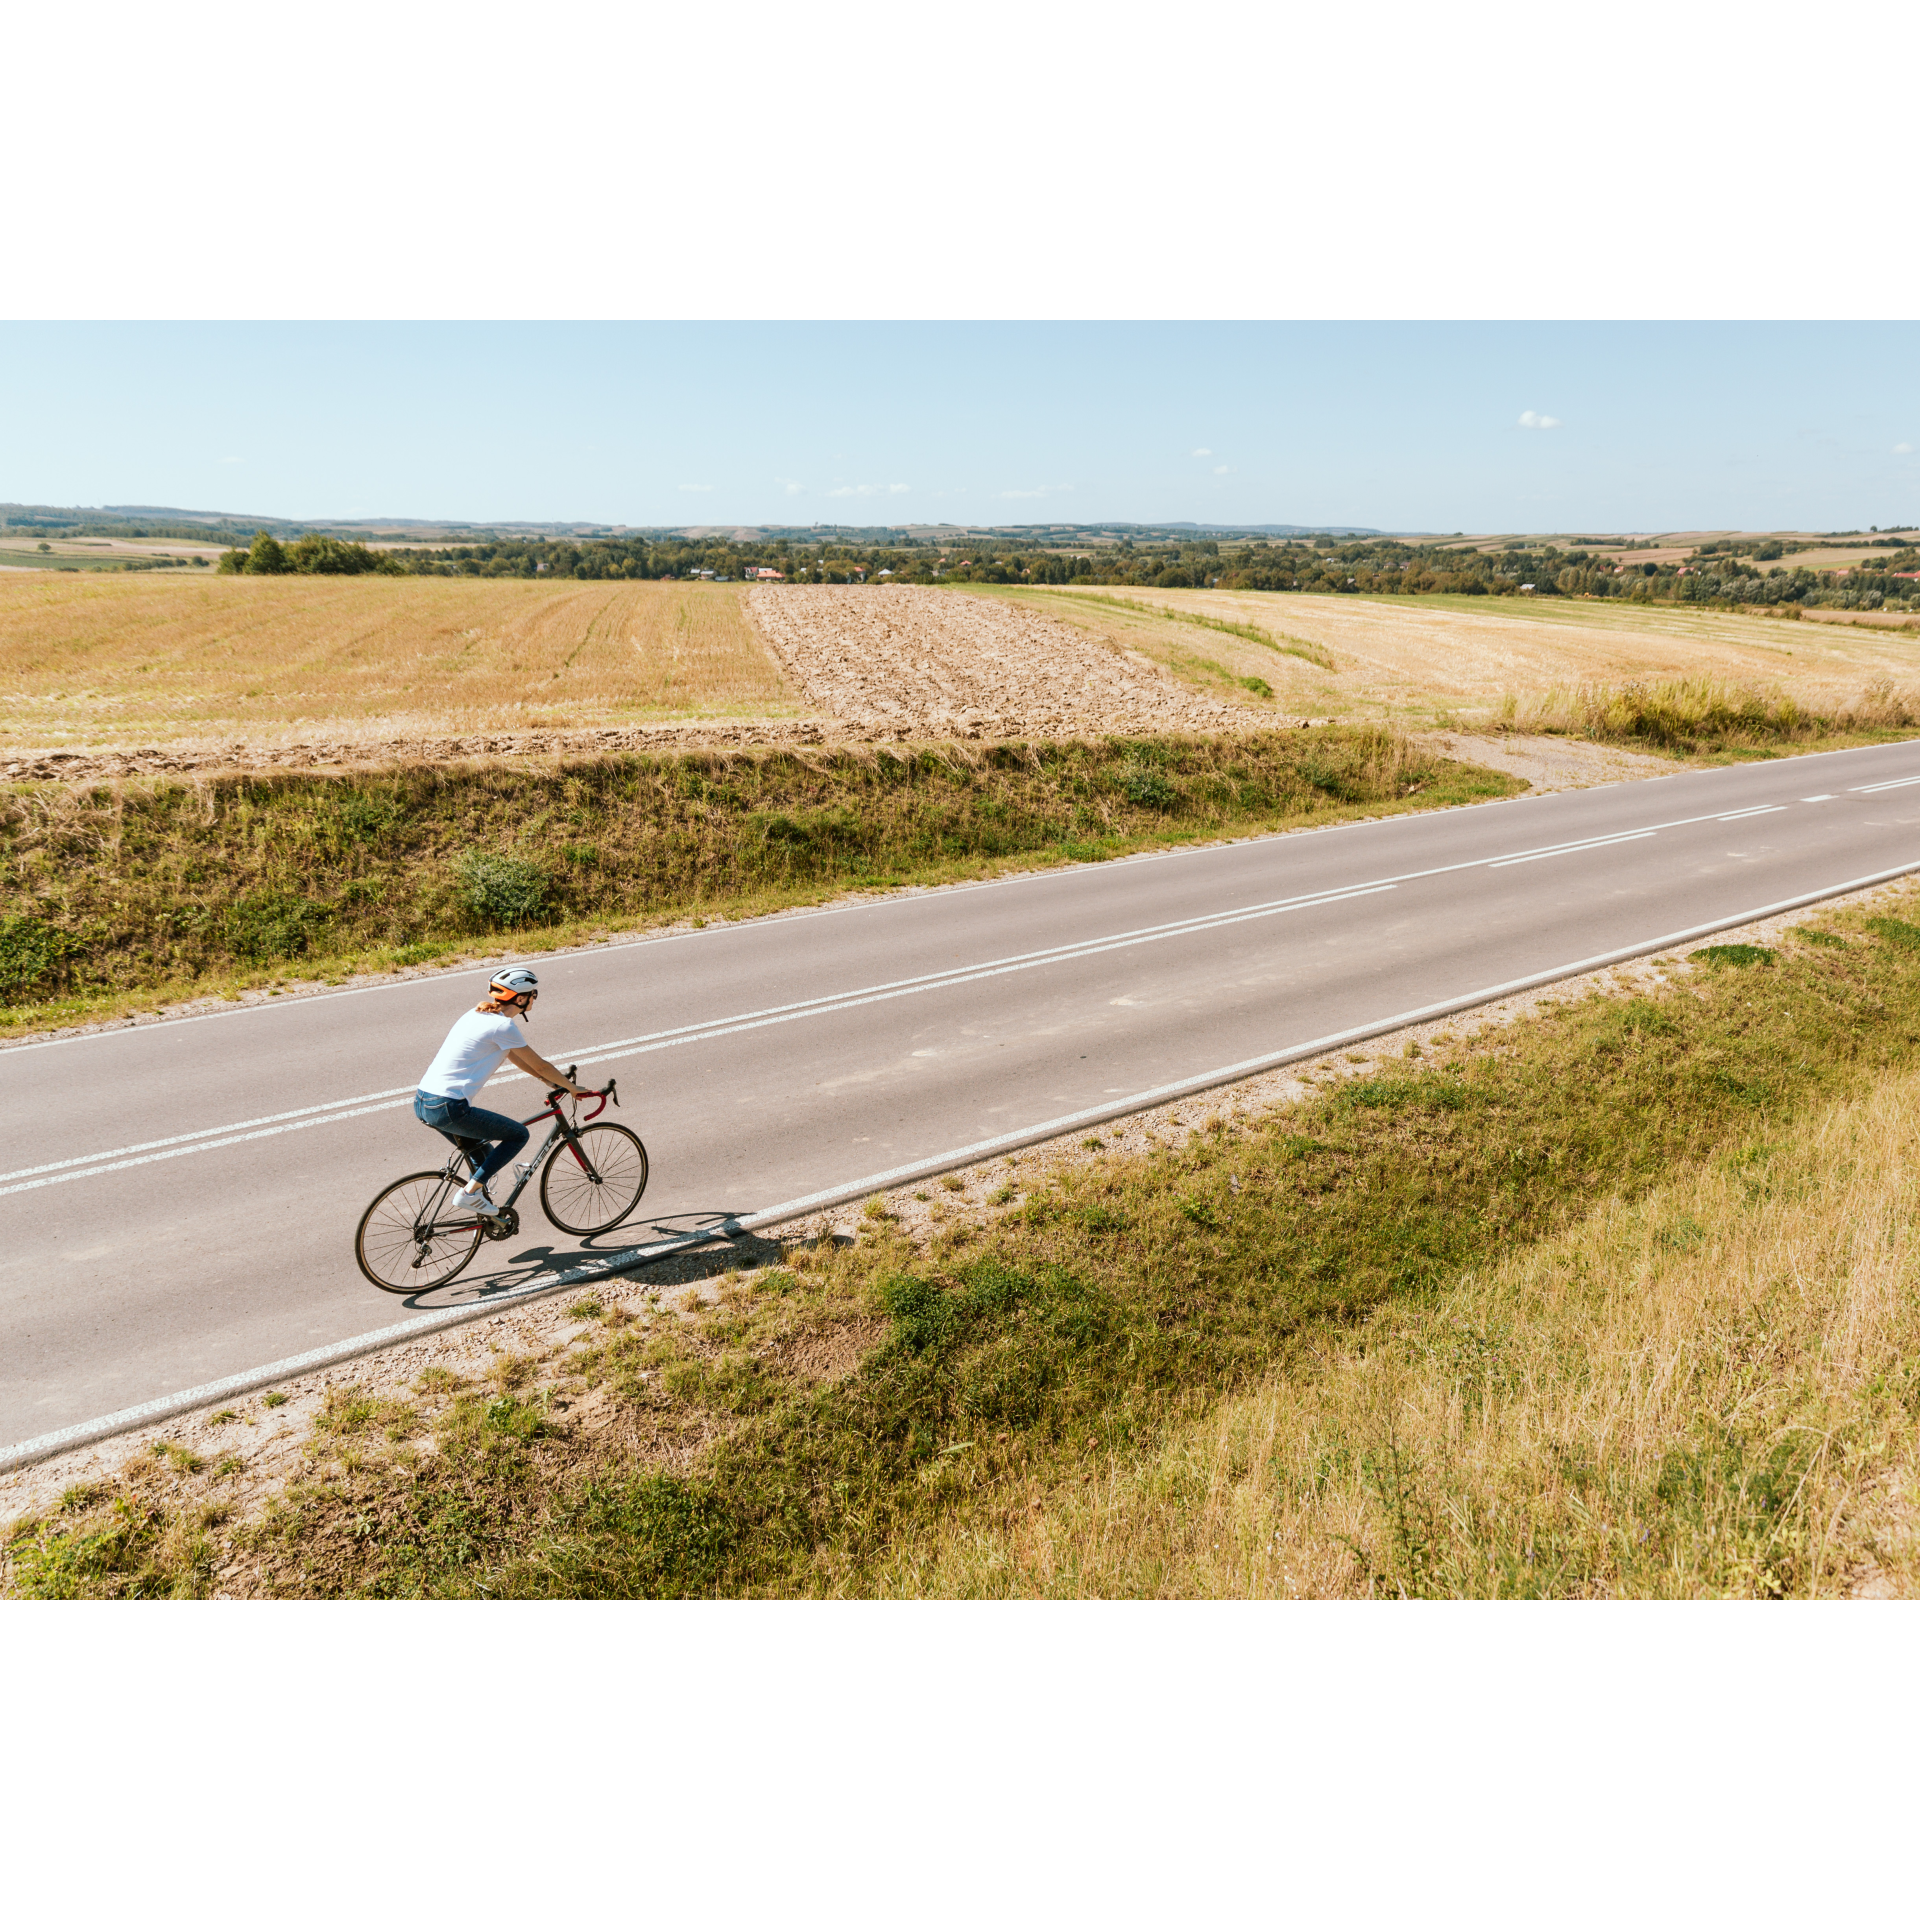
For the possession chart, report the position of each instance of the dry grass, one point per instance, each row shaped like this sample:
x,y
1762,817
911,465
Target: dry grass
x,y
1711,1391
142,659
1458,661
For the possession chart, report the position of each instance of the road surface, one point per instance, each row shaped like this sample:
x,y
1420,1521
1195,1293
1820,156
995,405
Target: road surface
x,y
179,1200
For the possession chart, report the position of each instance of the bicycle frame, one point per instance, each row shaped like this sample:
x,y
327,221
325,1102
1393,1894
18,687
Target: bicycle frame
x,y
461,1165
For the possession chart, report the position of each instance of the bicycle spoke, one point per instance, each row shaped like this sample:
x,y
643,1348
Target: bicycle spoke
x,y
410,1240
594,1179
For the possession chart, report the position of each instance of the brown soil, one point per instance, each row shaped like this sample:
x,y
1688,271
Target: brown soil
x,y
333,756
899,663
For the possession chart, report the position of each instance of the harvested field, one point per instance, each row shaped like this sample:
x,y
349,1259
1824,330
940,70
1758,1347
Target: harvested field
x,y
1429,658
143,660
898,663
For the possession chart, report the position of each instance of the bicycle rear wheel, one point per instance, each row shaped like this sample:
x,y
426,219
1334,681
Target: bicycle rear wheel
x,y
593,1181
410,1239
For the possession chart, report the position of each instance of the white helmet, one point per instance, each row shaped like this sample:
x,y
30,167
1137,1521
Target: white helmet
x,y
511,982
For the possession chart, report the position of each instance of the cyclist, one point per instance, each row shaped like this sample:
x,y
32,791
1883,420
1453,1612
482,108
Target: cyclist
x,y
479,1041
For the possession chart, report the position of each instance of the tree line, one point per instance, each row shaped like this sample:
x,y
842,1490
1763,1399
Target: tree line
x,y
1727,573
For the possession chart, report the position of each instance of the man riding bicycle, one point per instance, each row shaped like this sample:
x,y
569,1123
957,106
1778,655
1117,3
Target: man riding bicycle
x,y
480,1039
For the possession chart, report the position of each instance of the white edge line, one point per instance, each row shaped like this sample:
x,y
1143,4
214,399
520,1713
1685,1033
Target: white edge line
x,y
107,1425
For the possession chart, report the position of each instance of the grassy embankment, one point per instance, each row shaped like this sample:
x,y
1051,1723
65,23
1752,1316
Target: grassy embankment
x,y
1619,1301
118,897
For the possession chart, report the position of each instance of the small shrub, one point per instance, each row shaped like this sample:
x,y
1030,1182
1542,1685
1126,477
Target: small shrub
x,y
264,927
367,818
1741,956
1818,937
29,951
1146,788
500,891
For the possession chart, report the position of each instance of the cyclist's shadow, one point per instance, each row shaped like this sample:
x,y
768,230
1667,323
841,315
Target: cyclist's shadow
x,y
671,1249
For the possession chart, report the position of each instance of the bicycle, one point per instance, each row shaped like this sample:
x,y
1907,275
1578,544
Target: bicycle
x,y
411,1239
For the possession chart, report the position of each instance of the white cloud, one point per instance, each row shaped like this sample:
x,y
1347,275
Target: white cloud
x,y
1905,446
1201,453
792,486
231,460
1223,469
696,486
1532,419
899,486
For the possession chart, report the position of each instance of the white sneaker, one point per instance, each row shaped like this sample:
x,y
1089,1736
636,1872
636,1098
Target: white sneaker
x,y
475,1203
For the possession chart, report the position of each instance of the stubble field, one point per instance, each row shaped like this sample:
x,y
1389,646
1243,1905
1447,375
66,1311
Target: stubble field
x,y
132,660
1470,661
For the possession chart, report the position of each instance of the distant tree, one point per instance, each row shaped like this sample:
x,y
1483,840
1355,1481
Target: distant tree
x,y
266,555
317,553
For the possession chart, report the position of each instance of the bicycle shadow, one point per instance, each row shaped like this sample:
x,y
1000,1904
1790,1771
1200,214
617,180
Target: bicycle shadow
x,y
668,1251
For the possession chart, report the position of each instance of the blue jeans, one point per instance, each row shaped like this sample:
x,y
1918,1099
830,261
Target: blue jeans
x,y
465,1126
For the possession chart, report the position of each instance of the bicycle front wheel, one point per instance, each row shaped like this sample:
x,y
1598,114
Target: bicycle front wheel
x,y
595,1179
410,1239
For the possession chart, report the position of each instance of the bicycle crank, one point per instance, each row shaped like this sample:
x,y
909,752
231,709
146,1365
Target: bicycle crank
x,y
503,1226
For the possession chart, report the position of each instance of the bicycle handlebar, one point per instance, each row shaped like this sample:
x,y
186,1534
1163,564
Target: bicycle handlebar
x,y
602,1094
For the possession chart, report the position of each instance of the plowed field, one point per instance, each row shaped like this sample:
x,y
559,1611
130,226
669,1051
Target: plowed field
x,y
906,662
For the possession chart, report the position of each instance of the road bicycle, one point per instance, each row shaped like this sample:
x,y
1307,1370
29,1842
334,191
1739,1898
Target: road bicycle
x,y
412,1238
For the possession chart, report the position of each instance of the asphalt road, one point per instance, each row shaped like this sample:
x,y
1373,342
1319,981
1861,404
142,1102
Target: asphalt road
x,y
180,1199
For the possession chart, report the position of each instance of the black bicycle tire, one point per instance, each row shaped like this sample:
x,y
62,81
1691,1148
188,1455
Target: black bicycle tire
x,y
553,1160
416,1285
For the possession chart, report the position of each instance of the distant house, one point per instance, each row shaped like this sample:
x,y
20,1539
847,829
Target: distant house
x,y
885,573
765,573
1526,586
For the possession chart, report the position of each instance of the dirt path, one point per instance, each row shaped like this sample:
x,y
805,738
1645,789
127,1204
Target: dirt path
x,y
896,663
1548,763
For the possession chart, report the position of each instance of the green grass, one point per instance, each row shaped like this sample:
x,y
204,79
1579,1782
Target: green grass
x,y
119,897
1240,629
1106,1313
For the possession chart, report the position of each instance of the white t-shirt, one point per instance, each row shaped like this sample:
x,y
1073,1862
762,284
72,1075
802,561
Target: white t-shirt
x,y
477,1044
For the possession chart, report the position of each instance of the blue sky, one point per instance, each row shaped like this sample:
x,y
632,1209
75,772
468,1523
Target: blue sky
x,y
1400,425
